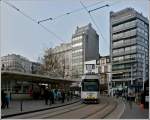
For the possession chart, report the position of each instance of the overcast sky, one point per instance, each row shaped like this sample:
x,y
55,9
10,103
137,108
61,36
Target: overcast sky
x,y
22,36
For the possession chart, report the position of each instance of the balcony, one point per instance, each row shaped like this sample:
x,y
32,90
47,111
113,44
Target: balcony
x,y
124,61
123,69
123,19
142,35
122,79
125,44
133,25
124,35
124,53
142,26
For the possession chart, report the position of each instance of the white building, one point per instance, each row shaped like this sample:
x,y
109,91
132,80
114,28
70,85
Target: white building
x,y
91,67
13,62
105,71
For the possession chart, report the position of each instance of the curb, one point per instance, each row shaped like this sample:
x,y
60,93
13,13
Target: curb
x,y
32,111
121,113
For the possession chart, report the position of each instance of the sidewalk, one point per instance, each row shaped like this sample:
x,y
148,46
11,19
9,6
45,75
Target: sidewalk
x,y
134,112
30,105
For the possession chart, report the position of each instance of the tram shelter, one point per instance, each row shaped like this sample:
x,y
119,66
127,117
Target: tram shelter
x,y
20,83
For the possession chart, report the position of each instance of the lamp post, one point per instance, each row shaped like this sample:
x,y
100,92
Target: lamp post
x,y
131,74
144,70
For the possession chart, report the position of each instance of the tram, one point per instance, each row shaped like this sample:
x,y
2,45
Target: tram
x,y
90,88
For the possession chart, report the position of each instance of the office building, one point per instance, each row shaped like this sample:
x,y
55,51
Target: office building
x,y
85,47
129,46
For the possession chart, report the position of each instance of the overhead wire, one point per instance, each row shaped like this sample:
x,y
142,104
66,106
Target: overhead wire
x,y
98,8
91,17
76,10
93,20
73,11
29,17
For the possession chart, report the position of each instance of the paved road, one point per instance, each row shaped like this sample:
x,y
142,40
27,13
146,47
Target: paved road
x,y
134,112
77,110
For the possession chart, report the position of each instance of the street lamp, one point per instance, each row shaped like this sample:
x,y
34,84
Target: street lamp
x,y
144,69
131,75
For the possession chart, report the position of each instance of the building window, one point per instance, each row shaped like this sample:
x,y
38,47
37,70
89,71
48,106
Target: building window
x,y
102,61
77,38
105,69
76,51
77,44
107,60
118,43
140,21
124,25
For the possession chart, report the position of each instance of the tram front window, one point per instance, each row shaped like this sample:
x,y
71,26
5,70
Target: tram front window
x,y
90,86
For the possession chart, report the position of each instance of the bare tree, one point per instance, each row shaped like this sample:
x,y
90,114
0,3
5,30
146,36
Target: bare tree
x,y
53,64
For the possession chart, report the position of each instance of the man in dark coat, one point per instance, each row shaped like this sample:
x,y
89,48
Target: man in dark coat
x,y
51,97
3,99
46,96
142,99
63,96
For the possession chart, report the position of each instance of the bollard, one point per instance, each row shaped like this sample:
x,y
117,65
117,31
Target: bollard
x,y
21,102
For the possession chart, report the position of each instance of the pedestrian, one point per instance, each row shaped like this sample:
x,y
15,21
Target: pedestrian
x,y
142,100
68,95
55,92
136,98
71,95
46,96
130,100
3,99
63,96
59,95
51,97
7,100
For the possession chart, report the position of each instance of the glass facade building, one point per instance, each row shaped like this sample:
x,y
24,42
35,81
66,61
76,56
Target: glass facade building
x,y
129,46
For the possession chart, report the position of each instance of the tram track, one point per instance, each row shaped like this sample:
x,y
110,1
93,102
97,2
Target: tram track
x,y
111,110
53,111
96,111
65,111
88,111
75,111
101,114
83,112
